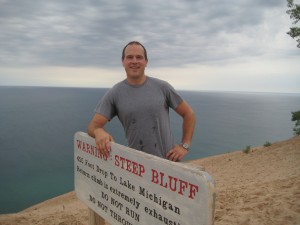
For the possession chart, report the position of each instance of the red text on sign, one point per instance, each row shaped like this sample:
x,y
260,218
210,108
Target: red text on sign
x,y
130,166
174,184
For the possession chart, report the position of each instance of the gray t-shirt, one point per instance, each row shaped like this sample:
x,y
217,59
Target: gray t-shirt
x,y
144,113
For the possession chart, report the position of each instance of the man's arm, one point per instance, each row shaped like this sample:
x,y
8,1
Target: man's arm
x,y
102,138
188,126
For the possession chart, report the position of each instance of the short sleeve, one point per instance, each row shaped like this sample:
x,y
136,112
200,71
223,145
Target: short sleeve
x,y
173,98
106,106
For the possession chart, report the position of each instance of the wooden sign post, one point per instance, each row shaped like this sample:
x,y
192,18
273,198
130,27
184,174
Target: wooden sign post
x,y
131,187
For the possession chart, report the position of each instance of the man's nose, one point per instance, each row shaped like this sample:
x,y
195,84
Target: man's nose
x,y
134,59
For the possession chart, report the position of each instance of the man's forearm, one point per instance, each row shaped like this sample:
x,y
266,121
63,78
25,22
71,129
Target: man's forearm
x,y
188,128
91,130
97,122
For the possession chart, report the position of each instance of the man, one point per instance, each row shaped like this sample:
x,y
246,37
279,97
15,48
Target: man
x,y
142,104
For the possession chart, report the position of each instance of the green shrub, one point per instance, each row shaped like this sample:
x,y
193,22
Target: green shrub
x,y
267,144
247,149
296,118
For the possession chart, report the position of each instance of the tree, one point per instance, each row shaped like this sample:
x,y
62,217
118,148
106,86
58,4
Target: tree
x,y
296,117
294,12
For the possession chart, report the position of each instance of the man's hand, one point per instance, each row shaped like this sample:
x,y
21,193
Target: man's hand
x,y
177,153
103,140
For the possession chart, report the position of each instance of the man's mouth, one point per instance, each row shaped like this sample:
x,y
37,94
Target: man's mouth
x,y
134,68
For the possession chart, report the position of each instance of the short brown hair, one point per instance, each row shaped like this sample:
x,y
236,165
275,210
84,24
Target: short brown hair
x,y
134,43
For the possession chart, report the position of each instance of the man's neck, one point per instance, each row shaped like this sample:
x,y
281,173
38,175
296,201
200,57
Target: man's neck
x,y
137,80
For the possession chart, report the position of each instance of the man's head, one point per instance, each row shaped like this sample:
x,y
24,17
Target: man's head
x,y
134,60
134,43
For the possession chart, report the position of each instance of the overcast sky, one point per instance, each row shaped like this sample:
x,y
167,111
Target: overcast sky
x,y
230,45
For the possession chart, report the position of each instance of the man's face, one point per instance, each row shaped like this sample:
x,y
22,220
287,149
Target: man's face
x,y
134,61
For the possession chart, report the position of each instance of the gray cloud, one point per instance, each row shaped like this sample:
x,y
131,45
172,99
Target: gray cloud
x,y
93,33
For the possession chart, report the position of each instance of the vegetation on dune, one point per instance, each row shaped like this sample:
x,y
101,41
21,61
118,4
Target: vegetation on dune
x,y
296,117
294,12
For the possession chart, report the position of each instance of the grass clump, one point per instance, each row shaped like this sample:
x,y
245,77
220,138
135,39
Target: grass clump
x,y
267,144
247,149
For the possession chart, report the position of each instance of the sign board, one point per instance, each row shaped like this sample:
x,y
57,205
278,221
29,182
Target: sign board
x,y
132,187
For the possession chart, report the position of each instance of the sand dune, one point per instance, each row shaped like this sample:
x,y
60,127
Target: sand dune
x,y
261,188
258,188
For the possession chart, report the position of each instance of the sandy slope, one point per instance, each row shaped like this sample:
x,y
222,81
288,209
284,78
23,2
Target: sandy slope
x,y
262,187
259,188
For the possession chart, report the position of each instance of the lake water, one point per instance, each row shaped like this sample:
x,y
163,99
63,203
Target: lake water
x,y
37,125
